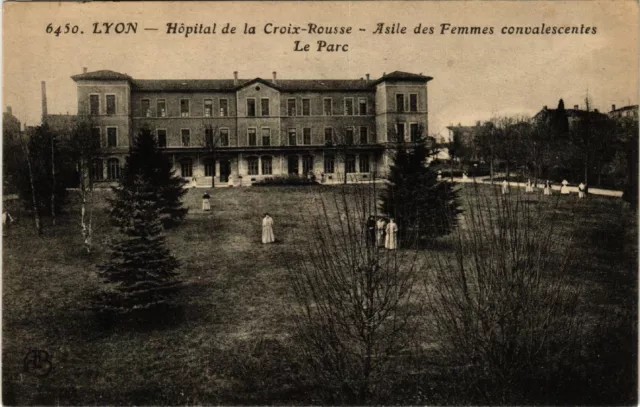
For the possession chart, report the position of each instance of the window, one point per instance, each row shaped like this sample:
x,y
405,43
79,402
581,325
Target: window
x,y
208,107
162,108
348,106
209,168
186,168
113,169
364,162
252,164
97,171
112,136
292,137
184,107
208,137
306,136
350,164
224,137
413,102
415,131
111,104
292,165
94,104
362,107
328,135
186,137
266,136
400,130
348,136
264,106
400,102
306,107
307,164
145,107
251,107
329,164
291,107
327,107
162,138
251,136
267,165
96,137
364,135
224,107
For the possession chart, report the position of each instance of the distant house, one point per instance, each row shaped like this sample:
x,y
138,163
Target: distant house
x,y
466,136
622,112
573,115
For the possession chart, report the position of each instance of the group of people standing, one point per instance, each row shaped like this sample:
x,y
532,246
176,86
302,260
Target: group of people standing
x,y
382,233
564,189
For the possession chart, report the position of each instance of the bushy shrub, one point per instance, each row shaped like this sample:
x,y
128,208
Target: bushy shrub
x,y
284,180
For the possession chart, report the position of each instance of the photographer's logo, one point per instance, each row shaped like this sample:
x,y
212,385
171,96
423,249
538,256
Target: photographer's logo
x,y
37,362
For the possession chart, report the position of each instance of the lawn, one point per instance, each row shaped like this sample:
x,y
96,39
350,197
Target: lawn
x,y
230,343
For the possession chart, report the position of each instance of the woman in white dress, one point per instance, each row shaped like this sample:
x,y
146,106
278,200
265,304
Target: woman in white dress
x,y
206,203
505,187
391,240
547,188
582,191
529,187
564,189
267,229
380,226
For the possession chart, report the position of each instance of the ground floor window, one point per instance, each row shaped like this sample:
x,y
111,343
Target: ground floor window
x,y
364,162
252,163
267,165
209,168
97,170
350,164
307,164
113,169
329,164
186,167
292,165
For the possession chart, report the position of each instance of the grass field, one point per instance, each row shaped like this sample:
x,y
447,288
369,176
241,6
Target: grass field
x,y
231,342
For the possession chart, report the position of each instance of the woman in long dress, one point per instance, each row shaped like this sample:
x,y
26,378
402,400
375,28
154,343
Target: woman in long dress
x,y
547,188
380,226
564,189
267,229
206,203
529,187
582,191
391,240
505,187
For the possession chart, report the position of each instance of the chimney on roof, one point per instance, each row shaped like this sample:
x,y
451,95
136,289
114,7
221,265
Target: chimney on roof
x,y
613,107
575,107
9,111
84,69
235,77
368,77
275,76
44,101
545,107
596,110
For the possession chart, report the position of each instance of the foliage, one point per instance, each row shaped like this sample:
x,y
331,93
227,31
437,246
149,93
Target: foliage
x,y
147,161
285,180
415,198
140,276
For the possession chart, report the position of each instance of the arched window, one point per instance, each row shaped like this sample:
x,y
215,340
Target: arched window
x,y
252,163
267,165
186,167
113,169
97,170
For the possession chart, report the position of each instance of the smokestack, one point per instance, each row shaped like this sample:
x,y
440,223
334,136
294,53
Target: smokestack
x,y
575,107
235,77
9,111
367,77
84,69
275,76
44,101
613,107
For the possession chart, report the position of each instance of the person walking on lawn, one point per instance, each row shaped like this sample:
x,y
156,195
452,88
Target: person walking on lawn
x,y
391,241
206,201
267,229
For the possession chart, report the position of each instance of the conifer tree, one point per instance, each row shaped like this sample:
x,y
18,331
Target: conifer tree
x,y
421,205
141,273
147,161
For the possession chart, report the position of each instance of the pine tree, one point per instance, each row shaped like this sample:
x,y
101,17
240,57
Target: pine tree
x,y
140,275
147,161
421,205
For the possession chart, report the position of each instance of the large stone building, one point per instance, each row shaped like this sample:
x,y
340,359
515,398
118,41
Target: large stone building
x,y
243,130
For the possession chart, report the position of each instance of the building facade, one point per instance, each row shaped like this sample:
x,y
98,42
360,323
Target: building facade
x,y
240,131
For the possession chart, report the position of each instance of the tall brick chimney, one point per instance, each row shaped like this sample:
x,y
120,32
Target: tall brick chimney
x,y
84,69
235,78
368,77
44,101
275,76
613,107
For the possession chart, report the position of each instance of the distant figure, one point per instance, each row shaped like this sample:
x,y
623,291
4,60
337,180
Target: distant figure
x,y
439,178
206,203
6,220
230,181
380,227
465,176
547,188
582,191
322,177
391,240
505,187
529,187
267,229
371,231
193,182
564,189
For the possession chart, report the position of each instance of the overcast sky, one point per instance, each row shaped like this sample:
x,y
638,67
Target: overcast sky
x,y
475,76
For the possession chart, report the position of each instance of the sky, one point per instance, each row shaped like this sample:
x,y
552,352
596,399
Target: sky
x,y
476,77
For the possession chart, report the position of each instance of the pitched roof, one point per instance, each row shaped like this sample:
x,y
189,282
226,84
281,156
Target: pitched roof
x,y
103,75
404,76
